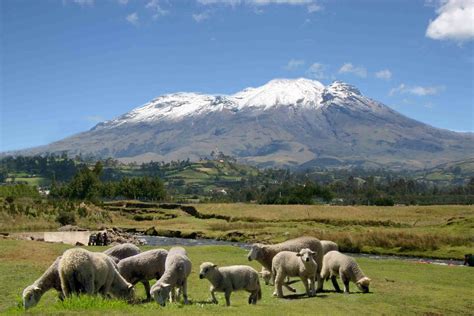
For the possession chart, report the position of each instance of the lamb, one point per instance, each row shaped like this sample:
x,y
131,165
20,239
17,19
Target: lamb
x,y
122,251
82,271
292,264
265,253
266,275
143,267
328,246
337,264
49,280
231,278
177,269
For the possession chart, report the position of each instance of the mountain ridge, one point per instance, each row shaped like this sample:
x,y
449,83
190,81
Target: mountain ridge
x,y
285,122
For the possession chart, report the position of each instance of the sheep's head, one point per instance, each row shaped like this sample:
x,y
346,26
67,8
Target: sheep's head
x,y
31,296
205,269
307,255
160,292
363,284
256,252
266,276
124,292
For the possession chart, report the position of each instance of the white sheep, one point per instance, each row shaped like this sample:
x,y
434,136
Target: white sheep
x,y
122,251
300,264
144,266
265,253
231,278
266,275
329,246
177,269
49,280
338,264
82,271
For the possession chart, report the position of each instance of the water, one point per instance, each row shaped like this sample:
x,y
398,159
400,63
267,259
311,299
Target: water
x,y
173,241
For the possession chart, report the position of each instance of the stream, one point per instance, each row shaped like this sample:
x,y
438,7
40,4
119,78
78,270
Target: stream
x,y
173,241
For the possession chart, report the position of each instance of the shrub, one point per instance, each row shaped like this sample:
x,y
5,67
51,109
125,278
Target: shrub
x,y
66,218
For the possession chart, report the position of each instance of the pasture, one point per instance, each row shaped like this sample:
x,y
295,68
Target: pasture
x,y
398,287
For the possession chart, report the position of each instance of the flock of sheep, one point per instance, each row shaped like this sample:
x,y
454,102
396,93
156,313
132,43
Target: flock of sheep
x,y
115,272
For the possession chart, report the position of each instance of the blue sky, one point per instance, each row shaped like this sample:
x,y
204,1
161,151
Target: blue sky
x,y
67,64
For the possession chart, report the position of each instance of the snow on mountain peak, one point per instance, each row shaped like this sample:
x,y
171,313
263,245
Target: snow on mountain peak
x,y
301,92
281,92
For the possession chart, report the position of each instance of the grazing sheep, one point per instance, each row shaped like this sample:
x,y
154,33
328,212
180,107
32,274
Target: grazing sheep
x,y
122,251
143,267
177,269
231,278
265,253
329,246
82,271
295,264
49,280
266,275
337,264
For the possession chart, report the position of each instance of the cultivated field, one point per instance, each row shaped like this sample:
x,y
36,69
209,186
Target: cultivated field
x,y
398,288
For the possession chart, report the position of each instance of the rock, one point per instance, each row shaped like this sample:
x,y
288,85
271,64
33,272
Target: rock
x,y
78,243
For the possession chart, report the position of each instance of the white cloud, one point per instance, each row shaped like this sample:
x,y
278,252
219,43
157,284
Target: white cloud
x,y
314,8
132,18
356,70
84,2
317,71
416,90
199,17
155,7
293,64
455,21
311,5
384,74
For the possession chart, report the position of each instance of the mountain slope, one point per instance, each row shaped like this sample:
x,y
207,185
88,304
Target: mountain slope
x,y
284,122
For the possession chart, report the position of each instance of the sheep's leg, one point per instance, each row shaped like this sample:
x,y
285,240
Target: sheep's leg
x,y
335,284
146,284
320,282
289,288
279,280
185,292
172,295
227,297
213,295
305,283
312,281
253,297
345,280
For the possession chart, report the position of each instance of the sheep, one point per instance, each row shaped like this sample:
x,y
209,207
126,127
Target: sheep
x,y
266,275
265,253
143,267
122,251
177,269
301,264
231,278
49,280
82,271
337,264
328,246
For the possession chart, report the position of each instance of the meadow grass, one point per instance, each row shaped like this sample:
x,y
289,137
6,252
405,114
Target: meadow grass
x,y
398,287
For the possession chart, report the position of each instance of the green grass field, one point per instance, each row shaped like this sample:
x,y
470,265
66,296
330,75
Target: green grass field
x,y
398,287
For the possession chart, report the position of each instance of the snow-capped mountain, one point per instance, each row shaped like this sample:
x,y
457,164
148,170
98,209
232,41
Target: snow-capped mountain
x,y
284,122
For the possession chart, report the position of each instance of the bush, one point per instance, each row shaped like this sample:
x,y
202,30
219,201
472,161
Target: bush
x,y
66,218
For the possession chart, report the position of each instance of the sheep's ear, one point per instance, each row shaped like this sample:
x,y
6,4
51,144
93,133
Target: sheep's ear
x,y
165,285
130,286
36,288
214,265
298,254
